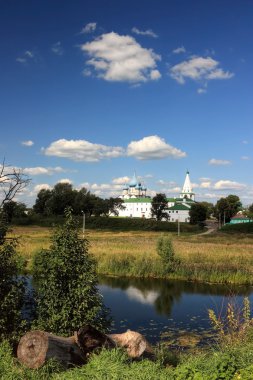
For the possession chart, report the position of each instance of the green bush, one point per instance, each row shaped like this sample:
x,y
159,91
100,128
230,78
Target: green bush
x,y
66,281
166,252
12,292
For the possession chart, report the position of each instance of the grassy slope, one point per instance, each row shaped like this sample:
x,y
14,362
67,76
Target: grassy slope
x,y
231,364
212,258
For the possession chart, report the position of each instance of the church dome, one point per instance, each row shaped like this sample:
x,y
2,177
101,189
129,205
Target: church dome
x,y
133,182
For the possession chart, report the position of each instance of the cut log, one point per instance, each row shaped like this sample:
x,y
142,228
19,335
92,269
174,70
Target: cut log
x,y
36,347
134,342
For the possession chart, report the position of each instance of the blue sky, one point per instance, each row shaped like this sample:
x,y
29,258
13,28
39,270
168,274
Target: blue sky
x,y
92,91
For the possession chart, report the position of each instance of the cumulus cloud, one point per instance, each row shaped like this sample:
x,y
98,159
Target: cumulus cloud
x,y
216,162
179,50
153,147
199,69
148,32
150,147
229,185
41,186
82,150
65,180
39,170
27,143
89,28
57,48
121,180
245,158
114,57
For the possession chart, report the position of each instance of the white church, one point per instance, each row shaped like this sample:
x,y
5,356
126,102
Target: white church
x,y
137,204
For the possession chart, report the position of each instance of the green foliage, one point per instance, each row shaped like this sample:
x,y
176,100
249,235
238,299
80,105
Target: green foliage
x,y
13,209
12,292
166,252
159,207
67,283
54,202
228,206
198,213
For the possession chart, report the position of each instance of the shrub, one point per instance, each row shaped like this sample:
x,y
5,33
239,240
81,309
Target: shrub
x,y
12,291
166,252
66,279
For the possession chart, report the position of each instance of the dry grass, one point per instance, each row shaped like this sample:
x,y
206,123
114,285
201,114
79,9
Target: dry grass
x,y
216,253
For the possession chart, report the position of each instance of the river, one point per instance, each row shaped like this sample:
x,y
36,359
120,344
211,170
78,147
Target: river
x,y
172,311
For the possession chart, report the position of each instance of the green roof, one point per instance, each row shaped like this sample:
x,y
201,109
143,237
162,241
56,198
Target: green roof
x,y
179,207
137,200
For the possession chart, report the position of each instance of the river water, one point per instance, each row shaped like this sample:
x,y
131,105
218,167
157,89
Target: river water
x,y
172,311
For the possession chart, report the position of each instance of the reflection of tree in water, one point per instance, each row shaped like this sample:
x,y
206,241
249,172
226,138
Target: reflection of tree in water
x,y
170,291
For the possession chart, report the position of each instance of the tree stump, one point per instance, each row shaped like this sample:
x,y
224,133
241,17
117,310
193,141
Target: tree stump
x,y
36,347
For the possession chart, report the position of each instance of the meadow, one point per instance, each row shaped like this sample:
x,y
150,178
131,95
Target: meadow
x,y
218,257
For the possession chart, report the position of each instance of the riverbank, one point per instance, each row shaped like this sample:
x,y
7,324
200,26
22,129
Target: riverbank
x,y
215,258
231,363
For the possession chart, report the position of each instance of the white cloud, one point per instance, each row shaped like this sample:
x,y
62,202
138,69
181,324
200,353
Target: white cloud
x,y
26,56
89,28
65,180
153,147
228,185
57,48
148,32
39,170
216,162
205,185
27,143
198,69
82,150
41,186
121,180
245,158
121,58
179,50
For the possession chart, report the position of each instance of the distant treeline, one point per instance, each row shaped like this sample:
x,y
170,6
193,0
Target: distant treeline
x,y
105,223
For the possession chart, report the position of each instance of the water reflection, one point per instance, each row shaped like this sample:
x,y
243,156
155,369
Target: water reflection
x,y
157,307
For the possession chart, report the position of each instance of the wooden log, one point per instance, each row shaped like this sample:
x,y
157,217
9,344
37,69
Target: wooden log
x,y
134,342
36,347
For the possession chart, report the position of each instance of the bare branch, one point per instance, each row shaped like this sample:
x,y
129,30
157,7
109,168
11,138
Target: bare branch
x,y
12,181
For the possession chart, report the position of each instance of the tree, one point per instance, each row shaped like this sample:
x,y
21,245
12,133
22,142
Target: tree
x,y
226,208
67,283
159,206
209,207
12,181
198,213
14,209
40,206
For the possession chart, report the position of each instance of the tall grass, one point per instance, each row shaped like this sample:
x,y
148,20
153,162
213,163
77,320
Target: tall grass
x,y
217,258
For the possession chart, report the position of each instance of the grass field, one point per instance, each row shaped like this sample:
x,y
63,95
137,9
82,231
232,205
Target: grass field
x,y
212,258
